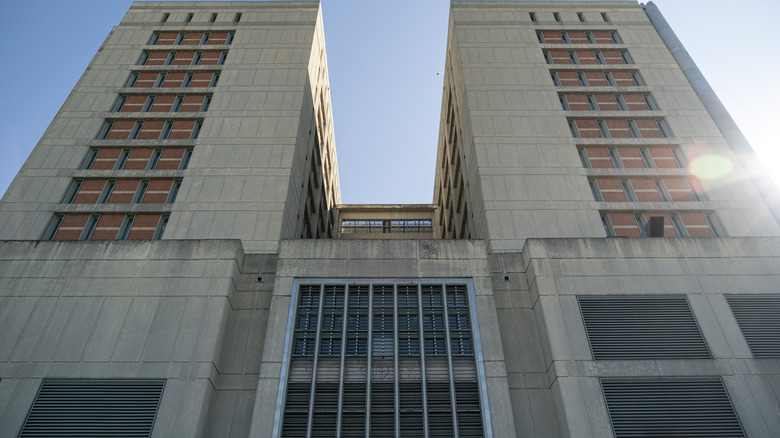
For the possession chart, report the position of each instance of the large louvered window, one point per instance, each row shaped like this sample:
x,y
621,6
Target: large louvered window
x,y
670,407
104,408
383,359
758,317
642,327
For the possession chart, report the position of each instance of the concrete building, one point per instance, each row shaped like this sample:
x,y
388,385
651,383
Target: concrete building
x,y
176,260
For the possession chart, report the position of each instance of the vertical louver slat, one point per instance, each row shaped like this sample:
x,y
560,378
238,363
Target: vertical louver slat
x,y
690,407
85,408
758,317
642,327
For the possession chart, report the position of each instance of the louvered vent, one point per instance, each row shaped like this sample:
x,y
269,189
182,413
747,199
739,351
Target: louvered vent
x,y
84,408
640,327
690,407
759,318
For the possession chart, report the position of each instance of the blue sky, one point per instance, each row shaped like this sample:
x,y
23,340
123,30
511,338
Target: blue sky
x,y
382,59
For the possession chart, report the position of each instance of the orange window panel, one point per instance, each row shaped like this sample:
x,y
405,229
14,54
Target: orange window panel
x,y
635,102
596,79
645,190
648,128
551,37
624,224
588,128
663,158
578,37
218,38
191,38
696,224
151,130
133,104
631,158
167,38
183,58
89,191
586,57
157,58
123,192
181,129
145,80
602,37
618,128
163,103
170,158
174,79
599,158
71,227
210,58
107,227
623,78
201,79
679,189
143,227
138,158
120,130
157,192
612,57
577,102
106,158
192,103
611,190
606,102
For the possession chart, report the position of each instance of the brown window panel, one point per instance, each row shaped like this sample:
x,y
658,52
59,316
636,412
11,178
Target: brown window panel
x,y
138,159
611,190
596,79
163,103
123,192
645,190
577,37
588,128
623,78
170,158
145,80
696,224
107,227
167,38
210,58
663,157
631,158
577,102
157,58
586,57
218,38
618,128
120,130
602,37
679,189
560,56
568,79
606,102
192,38
151,130
71,227
552,37
183,58
106,158
174,79
192,103
635,102
649,129
89,191
668,227
599,158
143,227
624,224
202,79
133,103
157,192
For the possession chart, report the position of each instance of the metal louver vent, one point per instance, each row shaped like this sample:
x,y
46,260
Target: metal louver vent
x,y
690,407
642,327
92,408
758,317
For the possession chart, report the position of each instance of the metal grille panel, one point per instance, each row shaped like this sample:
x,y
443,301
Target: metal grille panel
x,y
642,327
94,408
758,317
690,407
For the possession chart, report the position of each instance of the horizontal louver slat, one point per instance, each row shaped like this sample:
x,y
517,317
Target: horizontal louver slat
x,y
758,317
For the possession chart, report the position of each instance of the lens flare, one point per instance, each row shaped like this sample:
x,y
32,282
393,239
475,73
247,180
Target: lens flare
x,y
709,167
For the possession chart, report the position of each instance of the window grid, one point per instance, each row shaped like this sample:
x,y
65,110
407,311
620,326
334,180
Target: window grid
x,y
406,366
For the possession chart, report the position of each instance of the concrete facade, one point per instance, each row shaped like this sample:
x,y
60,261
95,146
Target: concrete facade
x,y
207,304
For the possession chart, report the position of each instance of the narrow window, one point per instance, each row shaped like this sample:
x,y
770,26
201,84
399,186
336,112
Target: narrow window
x,y
118,104
131,80
158,83
650,102
166,131
144,57
185,159
547,57
712,220
532,15
177,104
187,81
165,17
628,190
662,190
205,38
696,189
213,17
641,222
196,58
609,78
663,127
136,130
89,228
153,40
555,79
540,37
179,38
679,226
592,102
557,17
594,190
148,104
679,157
170,58
54,225
564,102
626,57
603,130
140,192
237,17
108,188
105,129
647,159
222,58
589,36
573,57
565,37
174,192
632,128
621,103
637,78
214,79
599,57
615,158
70,194
615,37
196,129
608,228
229,39
573,129
158,232
121,160
584,157
604,17
89,159
124,229
189,17
154,159
583,80
206,104
580,17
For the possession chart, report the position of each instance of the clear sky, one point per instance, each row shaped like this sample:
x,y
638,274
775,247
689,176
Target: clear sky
x,y
382,58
